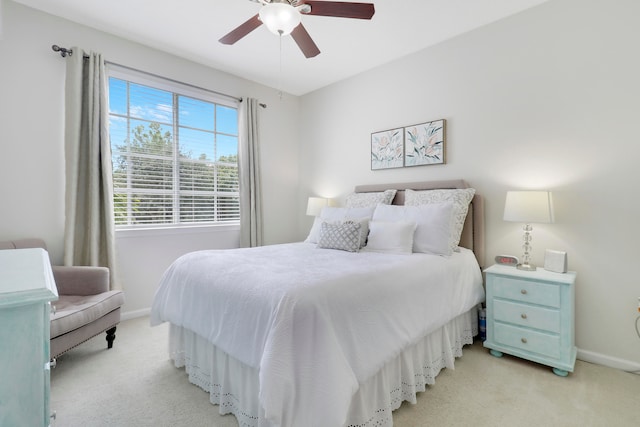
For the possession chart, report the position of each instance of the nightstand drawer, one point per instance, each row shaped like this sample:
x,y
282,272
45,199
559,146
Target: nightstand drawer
x,y
526,291
527,315
528,340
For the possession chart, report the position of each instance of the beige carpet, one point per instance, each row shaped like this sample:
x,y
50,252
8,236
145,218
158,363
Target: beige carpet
x,y
135,384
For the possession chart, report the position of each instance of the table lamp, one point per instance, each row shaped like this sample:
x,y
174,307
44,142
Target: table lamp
x,y
315,205
528,207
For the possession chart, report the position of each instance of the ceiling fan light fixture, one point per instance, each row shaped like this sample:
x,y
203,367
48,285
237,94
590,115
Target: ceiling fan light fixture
x,y
280,18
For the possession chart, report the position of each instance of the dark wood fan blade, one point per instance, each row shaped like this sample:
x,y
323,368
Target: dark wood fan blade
x,y
341,9
244,29
304,41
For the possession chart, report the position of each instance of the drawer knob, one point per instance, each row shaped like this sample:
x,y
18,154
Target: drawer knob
x,y
523,315
523,292
524,340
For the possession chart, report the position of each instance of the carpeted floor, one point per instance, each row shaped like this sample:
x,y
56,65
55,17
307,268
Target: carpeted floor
x,y
135,384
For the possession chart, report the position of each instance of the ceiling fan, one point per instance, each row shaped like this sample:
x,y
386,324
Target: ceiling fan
x,y
282,17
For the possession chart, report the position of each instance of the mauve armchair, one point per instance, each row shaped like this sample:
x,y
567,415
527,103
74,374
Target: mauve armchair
x,y
85,308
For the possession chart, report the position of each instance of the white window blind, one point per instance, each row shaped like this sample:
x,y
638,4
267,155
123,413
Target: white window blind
x,y
175,153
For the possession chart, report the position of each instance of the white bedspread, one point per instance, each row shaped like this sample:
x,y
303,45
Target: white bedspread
x,y
315,322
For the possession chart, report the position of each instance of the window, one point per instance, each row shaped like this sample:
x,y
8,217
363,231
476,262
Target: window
x,y
174,152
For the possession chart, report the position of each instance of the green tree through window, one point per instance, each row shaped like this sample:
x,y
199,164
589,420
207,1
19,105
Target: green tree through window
x,y
174,159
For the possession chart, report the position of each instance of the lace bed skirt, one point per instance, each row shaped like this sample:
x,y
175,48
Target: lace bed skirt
x,y
234,386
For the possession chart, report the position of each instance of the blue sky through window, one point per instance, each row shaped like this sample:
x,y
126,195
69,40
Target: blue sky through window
x,y
205,128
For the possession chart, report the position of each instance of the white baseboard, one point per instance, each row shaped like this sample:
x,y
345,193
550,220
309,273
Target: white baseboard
x,y
610,361
127,315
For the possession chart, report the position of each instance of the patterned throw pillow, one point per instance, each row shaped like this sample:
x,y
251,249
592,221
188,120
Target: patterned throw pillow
x,y
344,236
460,198
333,214
365,200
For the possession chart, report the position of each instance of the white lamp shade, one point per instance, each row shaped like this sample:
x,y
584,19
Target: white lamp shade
x,y
528,207
280,18
315,205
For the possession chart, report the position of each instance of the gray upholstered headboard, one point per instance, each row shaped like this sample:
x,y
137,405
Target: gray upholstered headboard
x,y
473,231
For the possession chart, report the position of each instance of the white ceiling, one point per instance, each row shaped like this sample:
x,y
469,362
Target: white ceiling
x,y
191,29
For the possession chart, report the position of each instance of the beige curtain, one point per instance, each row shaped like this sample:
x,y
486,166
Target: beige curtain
x,y
89,224
249,164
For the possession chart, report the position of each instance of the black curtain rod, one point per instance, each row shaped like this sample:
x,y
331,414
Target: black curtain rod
x,y
64,52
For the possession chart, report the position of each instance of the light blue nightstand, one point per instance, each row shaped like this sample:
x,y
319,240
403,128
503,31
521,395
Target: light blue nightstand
x,y
530,314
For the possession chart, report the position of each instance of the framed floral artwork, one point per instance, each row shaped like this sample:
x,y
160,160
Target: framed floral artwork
x,y
424,143
387,149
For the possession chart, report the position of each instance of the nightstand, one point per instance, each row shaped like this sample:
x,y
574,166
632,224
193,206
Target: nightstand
x,y
530,314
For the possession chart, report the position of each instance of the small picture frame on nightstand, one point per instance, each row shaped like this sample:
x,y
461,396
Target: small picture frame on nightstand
x,y
555,261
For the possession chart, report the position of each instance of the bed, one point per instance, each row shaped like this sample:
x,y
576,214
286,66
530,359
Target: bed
x,y
295,335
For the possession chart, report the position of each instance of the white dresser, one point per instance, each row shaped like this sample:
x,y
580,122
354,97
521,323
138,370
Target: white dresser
x,y
530,314
26,289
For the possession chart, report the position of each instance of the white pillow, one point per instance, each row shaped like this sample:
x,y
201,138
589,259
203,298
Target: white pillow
x,y
460,198
314,233
346,213
391,237
364,200
433,225
333,214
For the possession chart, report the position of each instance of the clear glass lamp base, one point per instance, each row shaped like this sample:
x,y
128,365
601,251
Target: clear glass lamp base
x,y
526,267
526,257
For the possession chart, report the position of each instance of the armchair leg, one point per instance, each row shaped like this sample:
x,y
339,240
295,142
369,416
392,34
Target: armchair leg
x,y
111,336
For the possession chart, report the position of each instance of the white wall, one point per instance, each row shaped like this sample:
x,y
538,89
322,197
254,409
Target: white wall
x,y
32,146
546,99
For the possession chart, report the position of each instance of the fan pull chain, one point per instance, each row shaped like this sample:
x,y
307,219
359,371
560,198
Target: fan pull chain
x,y
280,73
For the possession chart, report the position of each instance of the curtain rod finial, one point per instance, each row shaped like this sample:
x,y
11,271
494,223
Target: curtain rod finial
x,y
63,51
